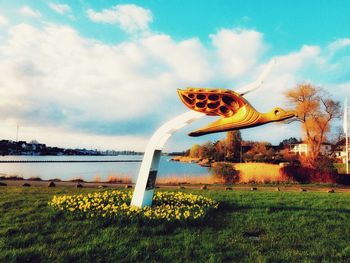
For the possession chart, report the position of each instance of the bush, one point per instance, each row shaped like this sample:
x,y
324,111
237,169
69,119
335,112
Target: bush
x,y
226,171
307,175
325,164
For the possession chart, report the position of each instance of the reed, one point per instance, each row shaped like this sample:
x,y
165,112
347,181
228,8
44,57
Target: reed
x,y
177,180
119,179
259,173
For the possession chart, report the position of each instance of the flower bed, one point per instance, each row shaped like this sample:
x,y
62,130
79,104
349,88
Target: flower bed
x,y
170,206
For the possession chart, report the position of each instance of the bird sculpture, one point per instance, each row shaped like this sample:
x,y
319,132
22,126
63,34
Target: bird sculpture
x,y
236,111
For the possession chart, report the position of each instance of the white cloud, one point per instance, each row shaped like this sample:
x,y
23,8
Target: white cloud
x,y
187,59
131,18
60,8
3,21
27,11
339,44
238,50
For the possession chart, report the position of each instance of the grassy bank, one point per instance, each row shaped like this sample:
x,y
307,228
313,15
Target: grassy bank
x,y
248,226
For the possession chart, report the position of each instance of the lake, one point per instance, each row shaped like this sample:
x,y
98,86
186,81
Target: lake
x,y
88,171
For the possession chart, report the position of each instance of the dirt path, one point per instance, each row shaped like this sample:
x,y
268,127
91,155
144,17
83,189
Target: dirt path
x,y
241,187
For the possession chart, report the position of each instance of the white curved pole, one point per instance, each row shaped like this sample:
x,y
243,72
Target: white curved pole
x,y
144,189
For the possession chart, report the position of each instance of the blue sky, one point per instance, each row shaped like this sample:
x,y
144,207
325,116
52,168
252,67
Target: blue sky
x,y
104,74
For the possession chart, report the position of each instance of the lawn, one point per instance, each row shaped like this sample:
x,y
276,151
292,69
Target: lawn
x,y
248,226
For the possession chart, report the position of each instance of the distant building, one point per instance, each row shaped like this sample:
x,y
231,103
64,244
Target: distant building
x,y
304,149
340,153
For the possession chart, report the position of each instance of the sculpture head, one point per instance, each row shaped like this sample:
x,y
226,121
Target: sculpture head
x,y
278,114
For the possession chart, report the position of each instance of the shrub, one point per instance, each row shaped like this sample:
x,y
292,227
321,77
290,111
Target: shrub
x,y
226,171
35,178
307,175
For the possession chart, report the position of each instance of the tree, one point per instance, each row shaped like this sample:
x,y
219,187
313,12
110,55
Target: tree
x,y
288,142
195,151
233,144
316,110
259,152
220,150
207,150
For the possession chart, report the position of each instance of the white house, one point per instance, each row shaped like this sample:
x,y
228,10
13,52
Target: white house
x,y
303,149
340,153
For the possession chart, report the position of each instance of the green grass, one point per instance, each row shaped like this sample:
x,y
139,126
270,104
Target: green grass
x,y
248,226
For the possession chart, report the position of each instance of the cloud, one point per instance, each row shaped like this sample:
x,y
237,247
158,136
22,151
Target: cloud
x,y
339,44
27,11
60,8
3,21
56,78
72,89
131,18
238,50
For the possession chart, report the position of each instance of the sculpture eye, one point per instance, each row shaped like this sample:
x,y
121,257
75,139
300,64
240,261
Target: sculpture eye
x,y
277,112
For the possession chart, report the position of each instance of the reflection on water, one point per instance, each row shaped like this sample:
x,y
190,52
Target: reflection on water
x,y
89,171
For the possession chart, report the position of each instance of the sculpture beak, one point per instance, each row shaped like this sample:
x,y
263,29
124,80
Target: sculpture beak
x,y
287,115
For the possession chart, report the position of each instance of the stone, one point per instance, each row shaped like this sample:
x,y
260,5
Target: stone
x,y
228,188
51,184
331,191
253,189
79,185
204,187
102,186
302,190
26,184
127,186
181,187
278,189
2,184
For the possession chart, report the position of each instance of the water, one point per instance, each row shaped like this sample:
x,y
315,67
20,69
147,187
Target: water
x,y
89,171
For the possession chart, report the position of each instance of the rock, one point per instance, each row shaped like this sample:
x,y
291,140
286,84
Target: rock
x,y
181,187
253,189
2,184
302,190
331,191
102,186
127,186
51,184
26,184
79,185
228,188
204,187
278,189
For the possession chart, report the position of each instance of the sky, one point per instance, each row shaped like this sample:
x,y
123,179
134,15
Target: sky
x,y
104,74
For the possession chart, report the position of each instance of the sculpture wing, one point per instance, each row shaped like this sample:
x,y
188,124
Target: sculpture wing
x,y
213,102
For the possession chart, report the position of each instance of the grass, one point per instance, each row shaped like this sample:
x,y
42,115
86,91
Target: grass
x,y
249,226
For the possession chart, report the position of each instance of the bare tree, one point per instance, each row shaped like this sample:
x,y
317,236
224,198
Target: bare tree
x,y
316,110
